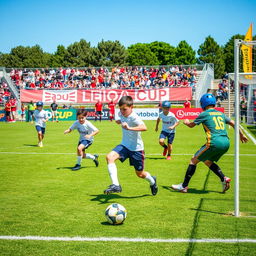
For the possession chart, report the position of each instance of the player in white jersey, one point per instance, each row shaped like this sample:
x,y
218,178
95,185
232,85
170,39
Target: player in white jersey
x,y
168,128
87,132
41,117
131,147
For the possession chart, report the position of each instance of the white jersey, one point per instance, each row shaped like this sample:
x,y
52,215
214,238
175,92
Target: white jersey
x,y
131,139
40,117
168,121
84,129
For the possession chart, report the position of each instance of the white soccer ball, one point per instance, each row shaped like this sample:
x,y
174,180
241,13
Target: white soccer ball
x,y
115,214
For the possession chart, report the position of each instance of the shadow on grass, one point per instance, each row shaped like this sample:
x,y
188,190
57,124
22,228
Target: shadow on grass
x,y
155,158
201,210
30,145
104,199
70,168
105,223
191,190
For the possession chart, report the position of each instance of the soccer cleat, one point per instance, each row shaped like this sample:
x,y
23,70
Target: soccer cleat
x,y
154,188
96,161
165,151
113,189
40,144
76,167
168,158
180,188
226,184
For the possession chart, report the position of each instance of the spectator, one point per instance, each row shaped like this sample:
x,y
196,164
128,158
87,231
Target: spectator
x,y
8,109
54,108
98,110
31,109
22,112
13,102
187,104
243,109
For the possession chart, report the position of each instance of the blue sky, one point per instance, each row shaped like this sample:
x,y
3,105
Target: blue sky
x,y
50,23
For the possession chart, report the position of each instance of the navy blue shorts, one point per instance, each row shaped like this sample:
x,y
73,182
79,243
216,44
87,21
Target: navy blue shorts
x,y
40,129
86,143
168,135
136,158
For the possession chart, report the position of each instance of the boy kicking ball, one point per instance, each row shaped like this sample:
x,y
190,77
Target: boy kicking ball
x,y
87,131
131,147
217,142
168,128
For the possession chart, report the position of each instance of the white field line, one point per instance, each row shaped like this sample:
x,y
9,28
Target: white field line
x,y
126,239
249,135
101,154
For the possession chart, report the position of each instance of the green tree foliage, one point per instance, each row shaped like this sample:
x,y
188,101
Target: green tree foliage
x,y
164,52
140,54
211,52
185,54
110,53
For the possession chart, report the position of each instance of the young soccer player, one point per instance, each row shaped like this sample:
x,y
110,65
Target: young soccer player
x,y
40,116
131,147
168,129
87,132
217,142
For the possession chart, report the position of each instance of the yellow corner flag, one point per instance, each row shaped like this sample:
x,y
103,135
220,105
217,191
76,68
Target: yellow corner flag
x,y
247,53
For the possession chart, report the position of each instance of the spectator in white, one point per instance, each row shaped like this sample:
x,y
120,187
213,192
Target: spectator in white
x,y
54,108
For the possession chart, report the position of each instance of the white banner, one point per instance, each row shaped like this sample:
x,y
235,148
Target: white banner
x,y
143,113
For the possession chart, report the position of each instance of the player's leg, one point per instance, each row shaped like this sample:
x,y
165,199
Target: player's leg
x,y
112,170
170,141
100,116
80,153
162,143
52,116
56,116
95,157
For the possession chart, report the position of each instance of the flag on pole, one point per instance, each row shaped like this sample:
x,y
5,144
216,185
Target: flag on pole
x,y
247,53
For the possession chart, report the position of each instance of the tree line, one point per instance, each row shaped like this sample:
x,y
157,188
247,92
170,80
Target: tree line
x,y
113,53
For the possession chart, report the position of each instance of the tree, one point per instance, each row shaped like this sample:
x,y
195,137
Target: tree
x,y
185,54
140,54
164,52
110,53
211,52
58,59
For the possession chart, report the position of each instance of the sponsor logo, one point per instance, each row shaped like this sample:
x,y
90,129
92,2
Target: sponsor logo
x,y
60,96
181,114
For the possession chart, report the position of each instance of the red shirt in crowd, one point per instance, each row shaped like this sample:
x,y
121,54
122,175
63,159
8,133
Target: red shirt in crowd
x,y
8,106
187,104
111,106
98,106
13,103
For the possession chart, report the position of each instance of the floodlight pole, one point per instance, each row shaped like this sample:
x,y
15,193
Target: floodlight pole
x,y
237,44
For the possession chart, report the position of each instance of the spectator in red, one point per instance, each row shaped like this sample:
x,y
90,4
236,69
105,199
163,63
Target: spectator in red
x,y
187,104
8,109
111,107
98,110
13,102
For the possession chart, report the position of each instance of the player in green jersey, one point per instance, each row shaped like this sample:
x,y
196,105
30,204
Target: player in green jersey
x,y
217,142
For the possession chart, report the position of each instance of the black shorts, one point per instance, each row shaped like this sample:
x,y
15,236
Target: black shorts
x,y
99,113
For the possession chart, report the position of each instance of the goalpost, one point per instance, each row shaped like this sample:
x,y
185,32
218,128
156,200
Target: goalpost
x,y
249,79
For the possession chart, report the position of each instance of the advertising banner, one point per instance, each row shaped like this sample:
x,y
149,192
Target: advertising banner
x,y
91,114
106,95
143,113
2,116
63,114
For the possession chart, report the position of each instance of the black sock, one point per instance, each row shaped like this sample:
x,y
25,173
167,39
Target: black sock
x,y
190,172
164,146
216,169
168,154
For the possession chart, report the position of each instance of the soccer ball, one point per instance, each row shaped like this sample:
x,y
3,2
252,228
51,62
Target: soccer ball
x,y
115,214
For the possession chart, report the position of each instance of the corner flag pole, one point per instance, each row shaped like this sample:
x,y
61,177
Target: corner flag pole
x,y
237,44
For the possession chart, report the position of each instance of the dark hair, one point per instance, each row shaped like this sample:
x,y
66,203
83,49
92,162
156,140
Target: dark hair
x,y
126,100
82,112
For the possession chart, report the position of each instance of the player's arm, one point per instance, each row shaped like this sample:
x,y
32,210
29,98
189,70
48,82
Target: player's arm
x,y
176,124
157,123
188,124
118,121
243,138
140,128
88,136
67,131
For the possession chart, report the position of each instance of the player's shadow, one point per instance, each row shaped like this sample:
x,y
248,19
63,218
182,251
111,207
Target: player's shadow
x,y
207,211
70,168
155,158
30,145
192,190
104,199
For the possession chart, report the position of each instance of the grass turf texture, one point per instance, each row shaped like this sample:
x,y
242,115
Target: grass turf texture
x,y
41,196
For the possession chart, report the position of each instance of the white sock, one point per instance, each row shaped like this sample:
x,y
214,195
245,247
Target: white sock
x,y
79,159
149,178
89,156
112,170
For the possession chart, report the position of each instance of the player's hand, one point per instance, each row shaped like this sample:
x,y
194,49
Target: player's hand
x,y
186,122
87,136
243,138
125,126
67,131
170,128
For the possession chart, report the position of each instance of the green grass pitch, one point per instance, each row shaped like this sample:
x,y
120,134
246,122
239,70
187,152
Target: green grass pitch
x,y
41,196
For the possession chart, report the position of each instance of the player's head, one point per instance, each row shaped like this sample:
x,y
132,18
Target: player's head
x,y
126,105
81,115
166,105
39,104
207,100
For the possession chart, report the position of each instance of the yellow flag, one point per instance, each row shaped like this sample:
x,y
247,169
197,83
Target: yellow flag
x,y
247,53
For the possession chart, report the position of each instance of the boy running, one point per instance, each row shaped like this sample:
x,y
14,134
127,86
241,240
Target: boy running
x,y
217,142
131,147
41,117
87,131
168,129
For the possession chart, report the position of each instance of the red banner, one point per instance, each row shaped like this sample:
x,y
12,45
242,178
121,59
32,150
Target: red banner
x,y
92,96
189,113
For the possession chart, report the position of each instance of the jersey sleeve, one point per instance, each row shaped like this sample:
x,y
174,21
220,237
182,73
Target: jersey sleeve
x,y
227,119
92,126
45,114
200,119
73,126
137,120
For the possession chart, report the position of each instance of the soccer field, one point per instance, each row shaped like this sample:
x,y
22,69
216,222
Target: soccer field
x,y
42,197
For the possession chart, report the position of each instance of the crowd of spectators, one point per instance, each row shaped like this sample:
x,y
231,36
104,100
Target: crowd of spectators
x,y
104,78
5,93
